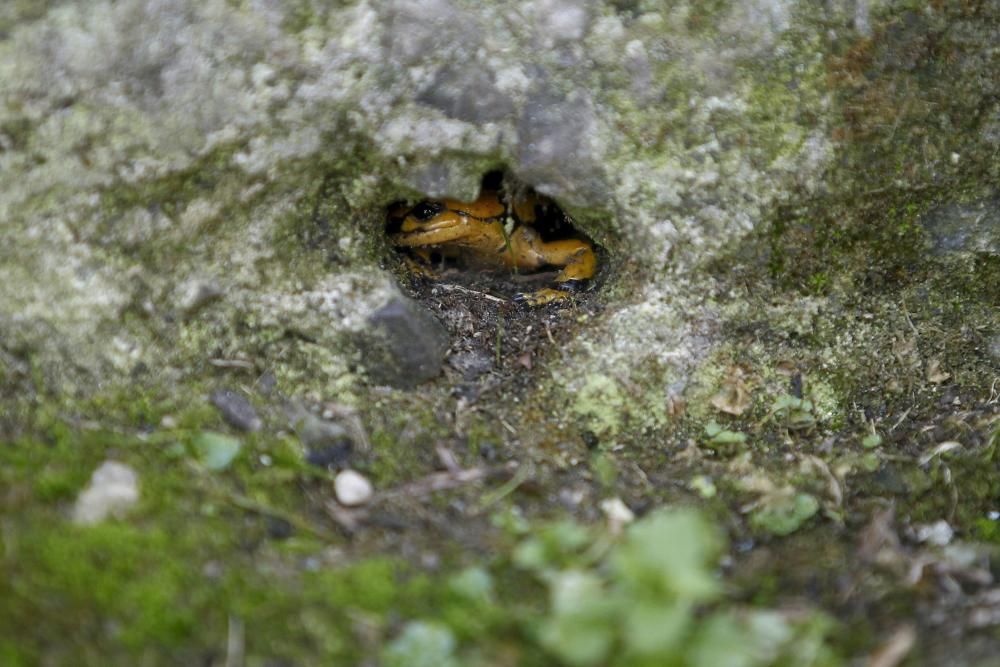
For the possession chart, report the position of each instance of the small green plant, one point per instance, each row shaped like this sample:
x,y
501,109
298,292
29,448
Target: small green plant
x,y
215,451
654,599
783,512
819,282
794,413
871,441
722,440
421,644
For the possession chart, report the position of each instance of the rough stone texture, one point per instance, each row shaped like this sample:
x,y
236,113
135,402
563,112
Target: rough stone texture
x,y
404,344
184,178
958,227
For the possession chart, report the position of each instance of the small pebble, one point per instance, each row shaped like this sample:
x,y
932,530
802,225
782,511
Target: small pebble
x,y
279,529
618,514
236,410
330,455
314,432
112,491
352,488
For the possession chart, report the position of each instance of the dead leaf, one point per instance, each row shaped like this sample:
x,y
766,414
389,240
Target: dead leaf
x,y
786,367
676,406
734,395
879,542
935,374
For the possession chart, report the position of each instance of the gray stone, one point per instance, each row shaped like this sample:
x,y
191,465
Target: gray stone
x,y
327,443
472,363
163,152
404,344
197,294
314,431
421,29
557,147
962,228
467,93
562,20
236,410
438,178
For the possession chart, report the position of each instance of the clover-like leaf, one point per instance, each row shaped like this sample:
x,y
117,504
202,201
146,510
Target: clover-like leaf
x,y
784,514
216,451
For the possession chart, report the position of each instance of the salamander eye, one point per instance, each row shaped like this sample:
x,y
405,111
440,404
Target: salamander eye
x,y
426,210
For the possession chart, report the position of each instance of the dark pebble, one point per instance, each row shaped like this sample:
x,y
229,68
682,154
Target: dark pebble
x,y
279,529
404,345
331,456
236,410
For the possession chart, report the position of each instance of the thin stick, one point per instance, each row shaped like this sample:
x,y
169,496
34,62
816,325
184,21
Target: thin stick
x,y
503,490
231,363
448,287
438,481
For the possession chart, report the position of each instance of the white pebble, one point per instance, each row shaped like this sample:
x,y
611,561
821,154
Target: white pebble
x,y
618,514
352,488
113,490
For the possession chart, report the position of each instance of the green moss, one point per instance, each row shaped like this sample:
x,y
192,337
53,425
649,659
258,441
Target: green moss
x,y
601,404
787,95
164,585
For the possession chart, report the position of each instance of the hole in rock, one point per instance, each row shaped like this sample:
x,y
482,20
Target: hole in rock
x,y
509,276
511,244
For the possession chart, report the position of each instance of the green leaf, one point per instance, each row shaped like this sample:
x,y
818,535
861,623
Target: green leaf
x,y
796,412
421,644
703,486
784,515
721,642
581,628
729,640
216,451
720,436
473,583
555,545
871,441
670,553
656,628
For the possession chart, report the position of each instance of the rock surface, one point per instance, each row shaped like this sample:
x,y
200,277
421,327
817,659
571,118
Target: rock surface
x,y
183,176
964,227
160,155
404,345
